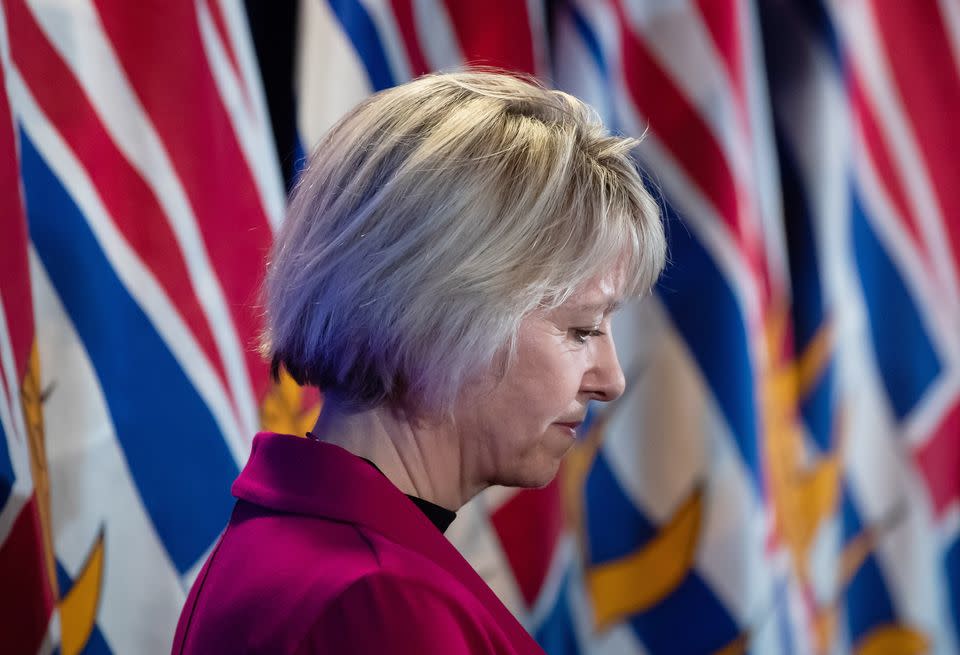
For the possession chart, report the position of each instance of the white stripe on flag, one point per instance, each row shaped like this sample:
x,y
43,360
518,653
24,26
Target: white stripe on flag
x,y
51,640
537,18
436,36
330,77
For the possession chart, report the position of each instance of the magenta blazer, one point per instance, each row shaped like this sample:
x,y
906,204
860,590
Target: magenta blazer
x,y
324,555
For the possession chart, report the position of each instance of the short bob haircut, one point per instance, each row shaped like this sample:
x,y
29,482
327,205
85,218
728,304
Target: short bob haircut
x,y
435,216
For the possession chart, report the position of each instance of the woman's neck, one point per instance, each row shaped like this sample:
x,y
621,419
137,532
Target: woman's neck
x,y
420,458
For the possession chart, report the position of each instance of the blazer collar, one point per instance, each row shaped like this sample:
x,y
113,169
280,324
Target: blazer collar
x,y
303,476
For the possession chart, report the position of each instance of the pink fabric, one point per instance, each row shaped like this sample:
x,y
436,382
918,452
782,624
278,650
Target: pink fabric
x,y
324,555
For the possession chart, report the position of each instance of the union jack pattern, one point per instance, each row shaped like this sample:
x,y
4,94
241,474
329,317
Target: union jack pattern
x,y
783,473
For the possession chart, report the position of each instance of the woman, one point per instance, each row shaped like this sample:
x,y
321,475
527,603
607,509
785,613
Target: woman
x,y
446,276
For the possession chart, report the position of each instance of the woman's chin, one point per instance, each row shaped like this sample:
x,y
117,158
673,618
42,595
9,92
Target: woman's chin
x,y
534,475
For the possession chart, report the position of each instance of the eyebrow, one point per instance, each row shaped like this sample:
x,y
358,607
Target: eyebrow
x,y
607,307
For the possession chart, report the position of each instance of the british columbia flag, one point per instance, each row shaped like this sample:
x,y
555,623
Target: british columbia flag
x,y
783,473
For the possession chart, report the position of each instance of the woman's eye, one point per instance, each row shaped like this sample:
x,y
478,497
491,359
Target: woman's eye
x,y
580,335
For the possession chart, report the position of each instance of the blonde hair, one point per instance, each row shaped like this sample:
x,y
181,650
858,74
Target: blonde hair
x,y
431,219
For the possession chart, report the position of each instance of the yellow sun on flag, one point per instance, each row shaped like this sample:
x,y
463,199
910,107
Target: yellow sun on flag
x,y
804,490
285,410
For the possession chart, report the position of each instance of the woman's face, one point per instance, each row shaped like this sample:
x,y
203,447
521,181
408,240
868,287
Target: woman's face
x,y
515,430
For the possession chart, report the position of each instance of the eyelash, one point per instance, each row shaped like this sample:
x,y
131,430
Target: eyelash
x,y
580,335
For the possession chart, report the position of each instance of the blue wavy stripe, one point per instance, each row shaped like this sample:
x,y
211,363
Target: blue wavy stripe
x,y
818,408
615,527
902,348
96,643
952,565
173,448
690,620
555,634
868,601
849,516
363,34
705,312
6,470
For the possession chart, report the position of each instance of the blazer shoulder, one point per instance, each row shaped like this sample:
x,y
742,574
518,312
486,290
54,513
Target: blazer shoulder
x,y
268,578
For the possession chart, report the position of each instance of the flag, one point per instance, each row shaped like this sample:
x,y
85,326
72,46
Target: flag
x,y
862,95
151,193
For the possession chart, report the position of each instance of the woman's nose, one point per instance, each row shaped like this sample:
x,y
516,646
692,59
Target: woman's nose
x,y
605,381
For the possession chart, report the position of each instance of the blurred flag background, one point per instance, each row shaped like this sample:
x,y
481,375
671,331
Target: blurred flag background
x,y
782,475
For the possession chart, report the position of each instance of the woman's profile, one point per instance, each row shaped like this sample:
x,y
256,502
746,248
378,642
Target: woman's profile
x,y
446,277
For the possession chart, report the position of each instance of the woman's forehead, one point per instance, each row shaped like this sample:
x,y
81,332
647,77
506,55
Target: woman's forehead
x,y
605,288
601,294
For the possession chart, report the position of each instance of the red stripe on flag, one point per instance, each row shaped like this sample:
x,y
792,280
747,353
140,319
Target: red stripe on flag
x,y
925,73
881,157
529,526
27,599
494,33
131,203
683,131
162,53
406,21
939,461
14,267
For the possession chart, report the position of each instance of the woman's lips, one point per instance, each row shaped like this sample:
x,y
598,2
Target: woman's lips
x,y
570,426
